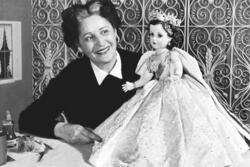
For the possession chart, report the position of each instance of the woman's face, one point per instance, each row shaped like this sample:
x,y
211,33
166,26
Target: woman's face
x,y
159,38
97,40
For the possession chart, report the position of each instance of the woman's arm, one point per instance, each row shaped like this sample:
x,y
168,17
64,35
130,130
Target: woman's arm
x,y
39,117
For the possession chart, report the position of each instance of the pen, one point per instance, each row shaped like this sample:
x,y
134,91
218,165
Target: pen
x,y
41,154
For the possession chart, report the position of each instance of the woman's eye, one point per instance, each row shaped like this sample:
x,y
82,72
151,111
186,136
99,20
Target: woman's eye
x,y
104,31
88,38
151,34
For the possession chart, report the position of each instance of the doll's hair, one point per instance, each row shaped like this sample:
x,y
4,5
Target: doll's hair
x,y
72,16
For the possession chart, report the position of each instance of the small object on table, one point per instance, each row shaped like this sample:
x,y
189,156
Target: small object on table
x,y
9,158
29,143
8,130
47,148
41,154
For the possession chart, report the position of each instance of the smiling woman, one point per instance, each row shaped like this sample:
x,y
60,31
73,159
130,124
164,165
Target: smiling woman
x,y
99,44
81,89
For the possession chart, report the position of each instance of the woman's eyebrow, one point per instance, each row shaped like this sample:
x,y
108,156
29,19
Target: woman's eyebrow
x,y
90,33
104,27
85,34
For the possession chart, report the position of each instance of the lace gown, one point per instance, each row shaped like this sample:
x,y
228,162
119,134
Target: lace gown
x,y
168,123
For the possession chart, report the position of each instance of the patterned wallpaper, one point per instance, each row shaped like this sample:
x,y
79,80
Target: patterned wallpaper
x,y
215,32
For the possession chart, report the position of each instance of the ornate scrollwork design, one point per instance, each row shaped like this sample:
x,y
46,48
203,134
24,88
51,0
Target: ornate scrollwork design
x,y
46,11
222,12
210,46
222,76
242,12
241,41
240,76
241,106
131,12
38,68
221,37
197,38
218,12
131,38
199,12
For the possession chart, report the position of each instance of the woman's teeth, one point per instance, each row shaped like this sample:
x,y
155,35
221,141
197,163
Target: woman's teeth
x,y
102,51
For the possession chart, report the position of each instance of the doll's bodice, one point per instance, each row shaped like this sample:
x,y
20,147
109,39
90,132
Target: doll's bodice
x,y
160,65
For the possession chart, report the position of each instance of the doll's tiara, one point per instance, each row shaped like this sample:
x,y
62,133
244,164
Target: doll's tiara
x,y
157,14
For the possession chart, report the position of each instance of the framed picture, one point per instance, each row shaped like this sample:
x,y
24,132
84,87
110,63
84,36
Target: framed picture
x,y
10,52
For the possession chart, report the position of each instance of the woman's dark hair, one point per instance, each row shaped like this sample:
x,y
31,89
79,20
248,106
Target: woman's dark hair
x,y
72,16
172,32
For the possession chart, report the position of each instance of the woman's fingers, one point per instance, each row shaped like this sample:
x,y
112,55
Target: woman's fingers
x,y
79,134
93,135
84,135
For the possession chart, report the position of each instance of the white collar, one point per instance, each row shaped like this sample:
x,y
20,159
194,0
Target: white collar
x,y
116,71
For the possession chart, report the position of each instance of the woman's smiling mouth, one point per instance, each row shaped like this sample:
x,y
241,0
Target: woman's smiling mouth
x,y
103,50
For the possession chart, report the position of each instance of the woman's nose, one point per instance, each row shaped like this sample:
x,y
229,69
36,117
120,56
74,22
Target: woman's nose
x,y
100,40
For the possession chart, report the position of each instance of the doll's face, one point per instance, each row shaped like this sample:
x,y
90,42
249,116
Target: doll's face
x,y
159,38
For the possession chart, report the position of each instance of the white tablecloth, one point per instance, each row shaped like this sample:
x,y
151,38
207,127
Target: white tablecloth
x,y
66,155
62,155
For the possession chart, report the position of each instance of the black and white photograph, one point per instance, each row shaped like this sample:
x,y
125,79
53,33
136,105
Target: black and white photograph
x,y
125,83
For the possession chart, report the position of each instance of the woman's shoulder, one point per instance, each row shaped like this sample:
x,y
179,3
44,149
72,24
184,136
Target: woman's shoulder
x,y
123,52
129,56
76,66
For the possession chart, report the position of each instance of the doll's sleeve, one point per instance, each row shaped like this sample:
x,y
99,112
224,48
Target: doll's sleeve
x,y
177,67
142,65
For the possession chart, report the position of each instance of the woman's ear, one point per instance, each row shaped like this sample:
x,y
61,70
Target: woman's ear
x,y
117,36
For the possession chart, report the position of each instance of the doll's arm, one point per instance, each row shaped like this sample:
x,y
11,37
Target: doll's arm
x,y
145,78
176,67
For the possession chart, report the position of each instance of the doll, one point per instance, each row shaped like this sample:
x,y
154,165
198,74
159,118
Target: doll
x,y
175,122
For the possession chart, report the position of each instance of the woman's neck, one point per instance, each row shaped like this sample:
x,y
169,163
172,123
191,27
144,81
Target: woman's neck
x,y
107,67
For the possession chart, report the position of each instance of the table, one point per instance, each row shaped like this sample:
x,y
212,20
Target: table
x,y
66,155
62,155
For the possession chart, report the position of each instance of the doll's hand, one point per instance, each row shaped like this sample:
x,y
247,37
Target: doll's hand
x,y
74,133
128,86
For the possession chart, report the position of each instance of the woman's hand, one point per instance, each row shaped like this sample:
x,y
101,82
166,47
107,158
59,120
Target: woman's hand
x,y
128,86
74,133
